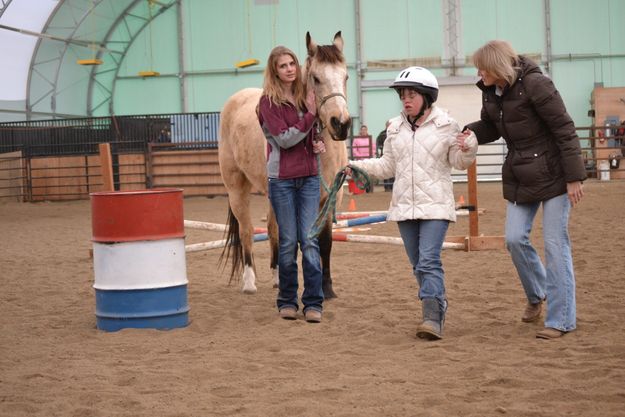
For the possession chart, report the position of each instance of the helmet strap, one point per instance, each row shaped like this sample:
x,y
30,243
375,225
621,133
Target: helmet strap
x,y
424,107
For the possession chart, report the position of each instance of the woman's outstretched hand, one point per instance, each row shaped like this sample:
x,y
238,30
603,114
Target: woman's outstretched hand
x,y
461,139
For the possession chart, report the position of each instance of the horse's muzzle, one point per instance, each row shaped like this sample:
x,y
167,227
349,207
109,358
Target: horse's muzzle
x,y
340,129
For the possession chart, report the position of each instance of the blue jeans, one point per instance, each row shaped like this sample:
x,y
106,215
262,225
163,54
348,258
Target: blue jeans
x,y
295,203
423,241
556,280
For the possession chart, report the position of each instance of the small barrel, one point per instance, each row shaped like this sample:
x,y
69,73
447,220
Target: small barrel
x,y
604,170
139,259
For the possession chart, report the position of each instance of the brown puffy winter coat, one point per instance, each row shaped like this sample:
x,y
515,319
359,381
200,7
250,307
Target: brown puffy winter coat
x,y
543,149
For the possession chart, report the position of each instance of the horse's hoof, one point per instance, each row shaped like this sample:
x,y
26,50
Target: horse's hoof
x,y
249,290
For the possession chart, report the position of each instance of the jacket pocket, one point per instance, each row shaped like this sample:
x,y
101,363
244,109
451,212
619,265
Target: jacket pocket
x,y
530,167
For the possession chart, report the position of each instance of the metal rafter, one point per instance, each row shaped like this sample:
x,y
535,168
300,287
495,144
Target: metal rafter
x,y
33,64
116,56
3,6
122,19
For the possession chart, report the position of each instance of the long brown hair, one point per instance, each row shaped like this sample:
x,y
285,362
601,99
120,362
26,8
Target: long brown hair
x,y
499,59
272,86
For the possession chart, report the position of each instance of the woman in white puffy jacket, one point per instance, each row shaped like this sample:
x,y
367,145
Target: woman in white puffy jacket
x,y
422,146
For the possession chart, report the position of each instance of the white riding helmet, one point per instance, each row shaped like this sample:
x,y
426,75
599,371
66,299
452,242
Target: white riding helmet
x,y
420,79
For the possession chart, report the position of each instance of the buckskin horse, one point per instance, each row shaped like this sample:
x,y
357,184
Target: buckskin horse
x,y
242,160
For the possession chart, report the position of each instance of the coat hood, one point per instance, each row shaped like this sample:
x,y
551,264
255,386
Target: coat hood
x,y
527,66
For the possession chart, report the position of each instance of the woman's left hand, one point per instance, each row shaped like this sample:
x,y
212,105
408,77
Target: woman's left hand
x,y
575,191
461,138
319,146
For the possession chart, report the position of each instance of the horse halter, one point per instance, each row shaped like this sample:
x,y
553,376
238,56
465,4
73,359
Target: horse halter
x,y
329,96
321,126
324,99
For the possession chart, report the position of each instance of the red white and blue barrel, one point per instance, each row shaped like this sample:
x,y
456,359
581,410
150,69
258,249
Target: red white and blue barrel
x,y
139,259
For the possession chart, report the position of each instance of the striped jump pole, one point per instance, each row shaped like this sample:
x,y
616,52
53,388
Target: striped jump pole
x,y
358,214
361,220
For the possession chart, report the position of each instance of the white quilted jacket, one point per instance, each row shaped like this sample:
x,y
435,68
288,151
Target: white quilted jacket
x,y
421,162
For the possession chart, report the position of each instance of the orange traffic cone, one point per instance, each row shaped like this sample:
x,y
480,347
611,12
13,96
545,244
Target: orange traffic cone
x,y
352,205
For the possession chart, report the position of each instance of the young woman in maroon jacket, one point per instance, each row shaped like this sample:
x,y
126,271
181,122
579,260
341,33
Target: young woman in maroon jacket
x,y
544,166
287,114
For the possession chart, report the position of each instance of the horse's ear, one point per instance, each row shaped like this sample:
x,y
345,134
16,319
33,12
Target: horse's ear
x,y
338,41
311,46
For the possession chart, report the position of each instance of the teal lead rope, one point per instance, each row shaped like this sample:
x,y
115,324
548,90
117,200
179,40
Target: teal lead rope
x,y
323,182
362,181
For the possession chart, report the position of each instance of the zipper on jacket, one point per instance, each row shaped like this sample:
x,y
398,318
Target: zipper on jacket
x,y
309,160
505,131
414,132
503,125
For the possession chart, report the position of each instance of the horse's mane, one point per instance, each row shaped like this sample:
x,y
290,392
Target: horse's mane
x,y
330,54
327,54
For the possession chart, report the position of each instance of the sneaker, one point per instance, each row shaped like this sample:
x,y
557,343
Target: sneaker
x,y
288,313
549,333
313,316
532,312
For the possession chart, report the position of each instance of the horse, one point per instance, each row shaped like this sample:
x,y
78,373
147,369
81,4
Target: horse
x,y
242,160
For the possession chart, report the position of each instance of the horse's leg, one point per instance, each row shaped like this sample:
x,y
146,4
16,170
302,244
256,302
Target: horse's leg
x,y
272,231
325,248
240,205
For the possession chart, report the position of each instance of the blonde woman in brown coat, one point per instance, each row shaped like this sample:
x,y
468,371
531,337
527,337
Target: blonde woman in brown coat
x,y
543,167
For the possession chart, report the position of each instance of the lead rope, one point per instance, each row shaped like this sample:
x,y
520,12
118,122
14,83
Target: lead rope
x,y
362,181
323,181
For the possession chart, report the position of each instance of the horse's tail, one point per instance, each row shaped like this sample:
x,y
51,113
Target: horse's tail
x,y
233,246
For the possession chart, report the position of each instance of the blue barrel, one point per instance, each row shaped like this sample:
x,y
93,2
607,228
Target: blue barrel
x,y
139,259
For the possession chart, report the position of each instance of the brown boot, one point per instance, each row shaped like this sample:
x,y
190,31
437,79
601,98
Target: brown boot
x,y
532,312
312,316
288,313
550,333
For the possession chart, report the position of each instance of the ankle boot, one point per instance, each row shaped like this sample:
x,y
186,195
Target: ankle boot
x,y
433,320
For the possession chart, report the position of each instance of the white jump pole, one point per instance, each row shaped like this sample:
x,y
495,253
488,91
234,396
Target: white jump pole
x,y
347,237
360,214
216,227
197,247
191,224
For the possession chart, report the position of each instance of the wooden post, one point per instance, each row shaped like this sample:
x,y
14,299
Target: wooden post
x,y
106,167
473,213
474,241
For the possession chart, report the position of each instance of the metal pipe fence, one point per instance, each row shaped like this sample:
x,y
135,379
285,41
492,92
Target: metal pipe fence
x,y
129,133
25,173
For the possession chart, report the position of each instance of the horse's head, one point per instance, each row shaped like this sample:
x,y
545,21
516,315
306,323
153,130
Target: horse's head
x,y
326,71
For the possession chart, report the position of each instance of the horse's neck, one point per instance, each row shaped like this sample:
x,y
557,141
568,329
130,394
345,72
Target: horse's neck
x,y
334,158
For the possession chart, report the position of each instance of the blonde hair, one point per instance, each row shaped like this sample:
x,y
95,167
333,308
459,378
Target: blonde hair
x,y
272,86
499,59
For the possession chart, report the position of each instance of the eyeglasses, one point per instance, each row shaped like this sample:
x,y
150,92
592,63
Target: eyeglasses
x,y
408,94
